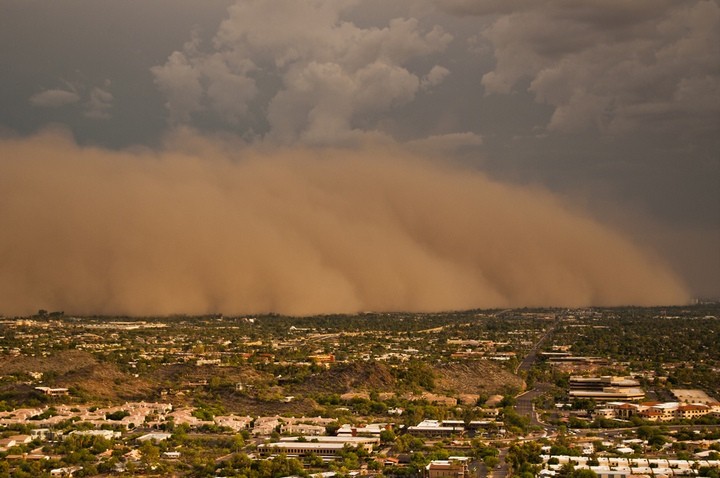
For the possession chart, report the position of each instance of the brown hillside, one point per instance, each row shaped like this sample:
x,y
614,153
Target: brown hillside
x,y
177,374
102,381
343,378
59,363
81,372
476,377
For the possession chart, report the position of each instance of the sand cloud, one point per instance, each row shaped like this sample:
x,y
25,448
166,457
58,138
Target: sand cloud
x,y
209,226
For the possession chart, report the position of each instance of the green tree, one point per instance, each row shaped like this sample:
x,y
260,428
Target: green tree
x,y
387,436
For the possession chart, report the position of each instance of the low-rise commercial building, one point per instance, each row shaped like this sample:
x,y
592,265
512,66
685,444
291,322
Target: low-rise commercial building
x,y
322,446
434,428
453,467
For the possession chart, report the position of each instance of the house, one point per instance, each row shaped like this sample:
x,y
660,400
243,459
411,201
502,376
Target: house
x,y
106,434
65,471
301,429
40,433
155,436
234,422
21,439
265,425
6,443
373,429
53,392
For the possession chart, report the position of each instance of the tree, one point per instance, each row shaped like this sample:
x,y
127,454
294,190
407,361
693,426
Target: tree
x,y
150,453
583,473
387,436
524,457
566,470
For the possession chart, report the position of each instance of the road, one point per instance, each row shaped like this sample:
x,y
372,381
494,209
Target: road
x,y
524,402
531,357
501,470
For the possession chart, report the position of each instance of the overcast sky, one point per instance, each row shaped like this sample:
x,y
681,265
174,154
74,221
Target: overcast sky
x,y
613,105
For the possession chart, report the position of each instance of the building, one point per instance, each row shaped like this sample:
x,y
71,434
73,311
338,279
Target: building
x,y
301,429
659,412
373,429
688,412
53,392
300,449
106,434
605,388
6,443
323,446
322,358
234,422
40,433
355,442
65,471
453,467
154,437
620,467
565,358
694,396
600,383
266,425
434,428
609,394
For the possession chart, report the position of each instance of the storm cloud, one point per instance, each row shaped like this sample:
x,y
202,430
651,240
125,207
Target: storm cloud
x,y
614,66
612,106
317,71
209,225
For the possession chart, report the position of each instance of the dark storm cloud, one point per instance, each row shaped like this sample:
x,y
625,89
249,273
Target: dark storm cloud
x,y
615,66
613,104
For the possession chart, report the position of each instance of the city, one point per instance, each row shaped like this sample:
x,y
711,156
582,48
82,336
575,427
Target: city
x,y
612,392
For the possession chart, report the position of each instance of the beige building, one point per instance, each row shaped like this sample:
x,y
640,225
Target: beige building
x,y
656,411
454,467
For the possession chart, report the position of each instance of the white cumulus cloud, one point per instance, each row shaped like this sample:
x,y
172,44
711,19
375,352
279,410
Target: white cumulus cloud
x,y
616,66
300,68
54,98
99,104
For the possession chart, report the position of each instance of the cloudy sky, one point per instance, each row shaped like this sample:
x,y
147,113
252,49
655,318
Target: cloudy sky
x,y
610,107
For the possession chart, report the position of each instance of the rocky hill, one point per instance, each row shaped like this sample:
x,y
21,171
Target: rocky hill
x,y
350,377
80,371
476,377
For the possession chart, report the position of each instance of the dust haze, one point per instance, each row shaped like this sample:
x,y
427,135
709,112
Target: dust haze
x,y
205,226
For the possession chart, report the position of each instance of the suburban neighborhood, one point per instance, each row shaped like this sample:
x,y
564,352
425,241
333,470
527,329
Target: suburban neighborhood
x,y
472,394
